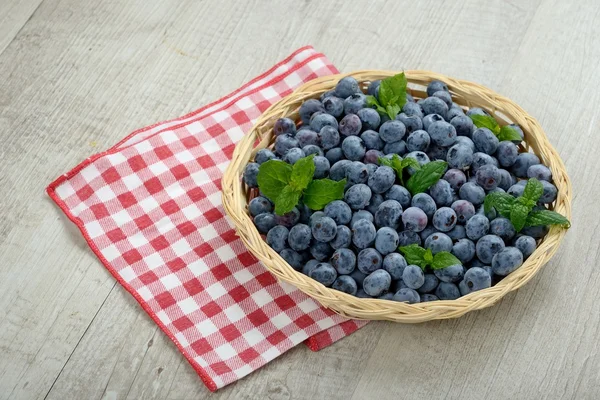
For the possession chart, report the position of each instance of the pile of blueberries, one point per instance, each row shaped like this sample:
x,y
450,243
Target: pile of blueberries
x,y
352,244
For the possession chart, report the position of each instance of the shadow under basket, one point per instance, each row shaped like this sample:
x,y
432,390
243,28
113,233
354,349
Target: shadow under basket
x,y
467,94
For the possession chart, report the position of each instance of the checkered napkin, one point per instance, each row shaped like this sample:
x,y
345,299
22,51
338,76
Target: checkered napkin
x,y
150,209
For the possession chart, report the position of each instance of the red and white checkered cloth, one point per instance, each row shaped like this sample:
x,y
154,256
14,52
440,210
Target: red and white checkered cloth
x,y
150,209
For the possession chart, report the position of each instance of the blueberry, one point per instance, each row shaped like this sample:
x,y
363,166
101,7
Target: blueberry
x,y
400,194
344,261
339,211
399,284
343,237
447,291
516,190
353,148
526,245
428,120
540,172
522,164
284,125
369,118
412,109
333,106
372,157
477,279
308,108
428,297
309,266
413,276
442,133
327,95
388,214
339,170
392,131
411,122
259,205
477,227
485,141
490,215
299,237
444,96
434,105
377,283
488,177
321,251
418,140
507,153
277,237
477,111
506,261
329,137
463,125
456,178
320,120
346,87
537,232
407,295
386,296
395,148
362,295
350,125
487,246
293,155
406,238
312,149
264,155
321,167
502,227
361,214
324,273
285,142
324,229
250,174
481,159
293,258
358,196
386,240
436,152
345,284
464,289
394,264
334,155
382,179
438,242
264,222
505,179
372,140
376,200
436,86
442,193
307,136
550,193
363,233
368,260
457,233
472,192
354,103
452,273
414,219
454,111
464,250
317,215
358,276
373,88
464,210
305,213
289,219
465,141
460,157
429,285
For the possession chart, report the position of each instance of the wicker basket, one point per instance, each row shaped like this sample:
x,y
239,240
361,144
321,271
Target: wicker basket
x,y
467,94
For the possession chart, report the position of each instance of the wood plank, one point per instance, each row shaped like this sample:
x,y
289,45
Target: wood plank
x,y
13,15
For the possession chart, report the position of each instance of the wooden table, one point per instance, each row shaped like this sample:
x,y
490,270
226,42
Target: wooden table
x,y
77,76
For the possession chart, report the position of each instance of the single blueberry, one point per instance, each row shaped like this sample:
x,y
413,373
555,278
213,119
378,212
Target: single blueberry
x,y
407,295
377,283
464,250
447,291
346,284
353,147
284,125
363,233
368,260
264,155
488,246
350,125
264,222
344,261
452,273
386,240
300,237
506,261
251,174
438,242
425,202
324,273
394,264
277,237
358,196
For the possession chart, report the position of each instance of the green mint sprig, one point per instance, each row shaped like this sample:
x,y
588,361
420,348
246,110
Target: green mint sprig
x,y
398,164
426,176
285,185
519,210
392,96
502,132
417,255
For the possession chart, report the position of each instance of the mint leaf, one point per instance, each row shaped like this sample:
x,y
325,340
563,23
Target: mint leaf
x,y
486,121
273,176
287,200
502,202
392,110
425,177
410,162
385,93
533,190
518,215
414,254
374,103
302,173
508,133
392,94
321,192
546,217
444,259
428,256
387,162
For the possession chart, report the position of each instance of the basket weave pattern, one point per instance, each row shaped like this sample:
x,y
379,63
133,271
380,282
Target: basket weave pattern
x,y
467,94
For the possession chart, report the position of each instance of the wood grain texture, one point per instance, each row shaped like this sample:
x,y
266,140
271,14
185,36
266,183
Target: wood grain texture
x,y
80,76
13,15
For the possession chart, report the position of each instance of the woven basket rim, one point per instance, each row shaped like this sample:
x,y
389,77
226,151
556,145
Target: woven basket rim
x,y
465,93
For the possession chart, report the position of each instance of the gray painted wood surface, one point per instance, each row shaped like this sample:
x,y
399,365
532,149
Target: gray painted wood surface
x,y
77,76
